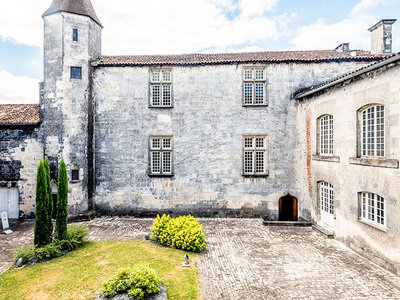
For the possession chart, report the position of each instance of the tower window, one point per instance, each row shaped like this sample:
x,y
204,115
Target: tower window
x,y
75,175
76,72
75,36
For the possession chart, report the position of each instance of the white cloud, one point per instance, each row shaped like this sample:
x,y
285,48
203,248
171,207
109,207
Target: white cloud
x,y
365,5
256,7
156,26
21,22
353,29
320,35
18,89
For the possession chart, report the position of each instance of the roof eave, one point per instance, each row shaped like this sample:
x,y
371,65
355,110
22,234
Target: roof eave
x,y
349,76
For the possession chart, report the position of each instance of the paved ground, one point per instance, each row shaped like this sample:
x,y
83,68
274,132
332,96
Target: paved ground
x,y
245,260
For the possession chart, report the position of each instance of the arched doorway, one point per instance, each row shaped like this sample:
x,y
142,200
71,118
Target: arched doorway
x,y
288,208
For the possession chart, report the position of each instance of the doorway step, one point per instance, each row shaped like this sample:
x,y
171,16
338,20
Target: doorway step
x,y
327,232
287,223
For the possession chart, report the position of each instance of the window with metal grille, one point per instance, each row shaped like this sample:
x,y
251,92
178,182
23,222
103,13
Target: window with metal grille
x,y
75,35
161,88
325,124
254,86
76,73
326,196
254,155
373,131
75,175
373,209
160,156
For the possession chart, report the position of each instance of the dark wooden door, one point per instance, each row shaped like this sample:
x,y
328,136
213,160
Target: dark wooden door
x,y
288,208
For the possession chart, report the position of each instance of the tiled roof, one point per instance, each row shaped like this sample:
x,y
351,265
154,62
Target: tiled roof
x,y
19,114
79,7
226,58
320,87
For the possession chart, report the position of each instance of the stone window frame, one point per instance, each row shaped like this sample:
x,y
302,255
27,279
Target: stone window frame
x,y
373,161
254,149
364,212
253,81
361,151
329,137
75,35
79,74
161,149
160,83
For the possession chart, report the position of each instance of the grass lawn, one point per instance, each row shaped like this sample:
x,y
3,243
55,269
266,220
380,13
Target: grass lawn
x,y
79,274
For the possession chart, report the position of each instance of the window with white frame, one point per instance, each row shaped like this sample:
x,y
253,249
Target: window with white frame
x,y
160,88
373,131
326,196
255,155
160,155
373,209
254,86
325,140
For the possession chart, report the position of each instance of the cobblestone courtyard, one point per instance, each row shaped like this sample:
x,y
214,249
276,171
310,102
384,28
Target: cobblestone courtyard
x,y
246,260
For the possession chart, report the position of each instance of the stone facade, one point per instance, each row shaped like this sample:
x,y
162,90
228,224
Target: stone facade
x,y
348,171
20,154
207,123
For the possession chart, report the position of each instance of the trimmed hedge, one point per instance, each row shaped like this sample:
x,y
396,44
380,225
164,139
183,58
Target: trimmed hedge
x,y
183,232
139,281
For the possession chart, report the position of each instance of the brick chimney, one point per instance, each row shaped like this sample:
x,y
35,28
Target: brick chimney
x,y
381,36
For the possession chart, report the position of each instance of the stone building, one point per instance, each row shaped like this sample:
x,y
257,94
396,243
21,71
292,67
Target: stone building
x,y
208,134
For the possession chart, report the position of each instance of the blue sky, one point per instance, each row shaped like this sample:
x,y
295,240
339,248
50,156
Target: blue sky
x,y
184,26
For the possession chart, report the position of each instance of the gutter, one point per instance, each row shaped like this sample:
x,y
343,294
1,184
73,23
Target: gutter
x,y
349,76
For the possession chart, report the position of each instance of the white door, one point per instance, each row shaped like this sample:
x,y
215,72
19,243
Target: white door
x,y
327,204
9,202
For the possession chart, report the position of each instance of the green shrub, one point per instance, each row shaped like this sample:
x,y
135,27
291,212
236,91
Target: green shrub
x,y
139,281
183,232
49,251
76,235
27,253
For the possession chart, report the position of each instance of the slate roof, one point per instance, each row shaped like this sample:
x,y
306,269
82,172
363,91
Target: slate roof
x,y
79,7
320,87
19,114
249,57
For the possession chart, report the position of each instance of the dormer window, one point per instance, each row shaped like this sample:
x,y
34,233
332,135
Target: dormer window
x,y
75,36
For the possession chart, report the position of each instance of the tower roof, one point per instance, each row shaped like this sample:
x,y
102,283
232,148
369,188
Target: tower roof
x,y
79,7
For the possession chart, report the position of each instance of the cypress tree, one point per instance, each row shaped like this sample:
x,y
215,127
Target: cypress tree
x,y
50,198
41,218
62,203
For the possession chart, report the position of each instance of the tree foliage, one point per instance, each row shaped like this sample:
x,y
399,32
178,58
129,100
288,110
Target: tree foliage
x,y
42,235
62,203
49,193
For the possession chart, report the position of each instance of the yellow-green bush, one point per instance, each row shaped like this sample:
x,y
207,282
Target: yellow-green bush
x,y
183,232
139,281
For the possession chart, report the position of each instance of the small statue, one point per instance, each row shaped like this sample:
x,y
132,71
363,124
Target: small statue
x,y
186,263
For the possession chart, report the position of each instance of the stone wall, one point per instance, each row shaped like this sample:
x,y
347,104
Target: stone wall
x,y
67,110
20,154
350,175
207,124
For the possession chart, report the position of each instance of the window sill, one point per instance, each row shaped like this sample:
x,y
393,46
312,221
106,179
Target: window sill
x,y
256,175
374,162
254,105
329,158
74,181
376,226
162,107
161,175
